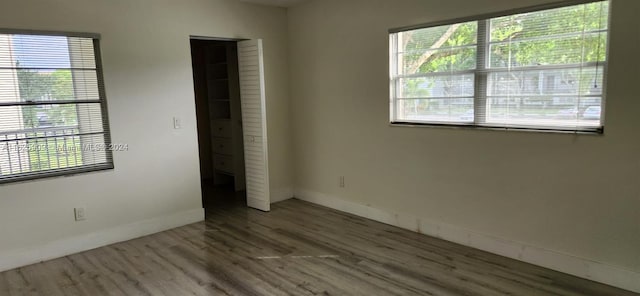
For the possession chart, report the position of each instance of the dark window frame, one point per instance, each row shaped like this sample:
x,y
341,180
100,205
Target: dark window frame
x,y
108,144
481,72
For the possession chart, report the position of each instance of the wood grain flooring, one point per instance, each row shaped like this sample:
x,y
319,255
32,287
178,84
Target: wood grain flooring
x,y
297,249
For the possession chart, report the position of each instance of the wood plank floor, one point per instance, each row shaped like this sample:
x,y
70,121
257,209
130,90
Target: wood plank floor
x,y
297,249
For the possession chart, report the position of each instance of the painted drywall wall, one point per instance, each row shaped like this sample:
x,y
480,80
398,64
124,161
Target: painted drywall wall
x,y
147,70
577,195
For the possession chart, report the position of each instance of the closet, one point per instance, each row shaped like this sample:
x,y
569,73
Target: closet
x,y
217,86
232,121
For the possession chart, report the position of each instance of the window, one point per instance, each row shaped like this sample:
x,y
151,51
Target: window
x,y
542,69
52,106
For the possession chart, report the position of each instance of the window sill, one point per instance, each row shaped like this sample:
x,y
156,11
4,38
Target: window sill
x,y
596,132
55,174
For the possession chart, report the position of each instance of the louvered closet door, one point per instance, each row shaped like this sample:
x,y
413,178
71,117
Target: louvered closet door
x,y
252,96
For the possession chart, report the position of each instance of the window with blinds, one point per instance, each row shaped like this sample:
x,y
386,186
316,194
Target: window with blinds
x,y
542,69
52,107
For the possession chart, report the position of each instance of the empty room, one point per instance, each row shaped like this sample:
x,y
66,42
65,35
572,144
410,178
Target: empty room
x,y
319,147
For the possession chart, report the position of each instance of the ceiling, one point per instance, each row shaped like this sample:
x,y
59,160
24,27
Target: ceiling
x,y
279,3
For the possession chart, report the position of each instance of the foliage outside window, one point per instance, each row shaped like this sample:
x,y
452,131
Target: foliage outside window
x,y
540,70
52,107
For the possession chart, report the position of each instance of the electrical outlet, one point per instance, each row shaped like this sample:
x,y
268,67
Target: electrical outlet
x,y
80,214
342,182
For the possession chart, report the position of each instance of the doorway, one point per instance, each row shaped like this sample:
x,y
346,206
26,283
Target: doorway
x,y
232,122
219,116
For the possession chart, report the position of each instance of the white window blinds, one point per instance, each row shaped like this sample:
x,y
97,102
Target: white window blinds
x,y
52,107
541,70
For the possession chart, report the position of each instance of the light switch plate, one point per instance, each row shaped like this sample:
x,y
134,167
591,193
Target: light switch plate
x,y
80,214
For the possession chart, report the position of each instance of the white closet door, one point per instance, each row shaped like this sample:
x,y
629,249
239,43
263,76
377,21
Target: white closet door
x,y
254,124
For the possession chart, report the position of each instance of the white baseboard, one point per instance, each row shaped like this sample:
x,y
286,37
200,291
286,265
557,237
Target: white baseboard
x,y
60,248
580,267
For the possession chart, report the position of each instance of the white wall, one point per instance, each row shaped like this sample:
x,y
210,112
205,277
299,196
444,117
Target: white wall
x,y
147,68
572,196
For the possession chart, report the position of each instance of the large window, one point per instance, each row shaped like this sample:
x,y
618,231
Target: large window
x,y
542,69
52,106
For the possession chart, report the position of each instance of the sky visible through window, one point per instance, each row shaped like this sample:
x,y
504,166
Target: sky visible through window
x,y
29,51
